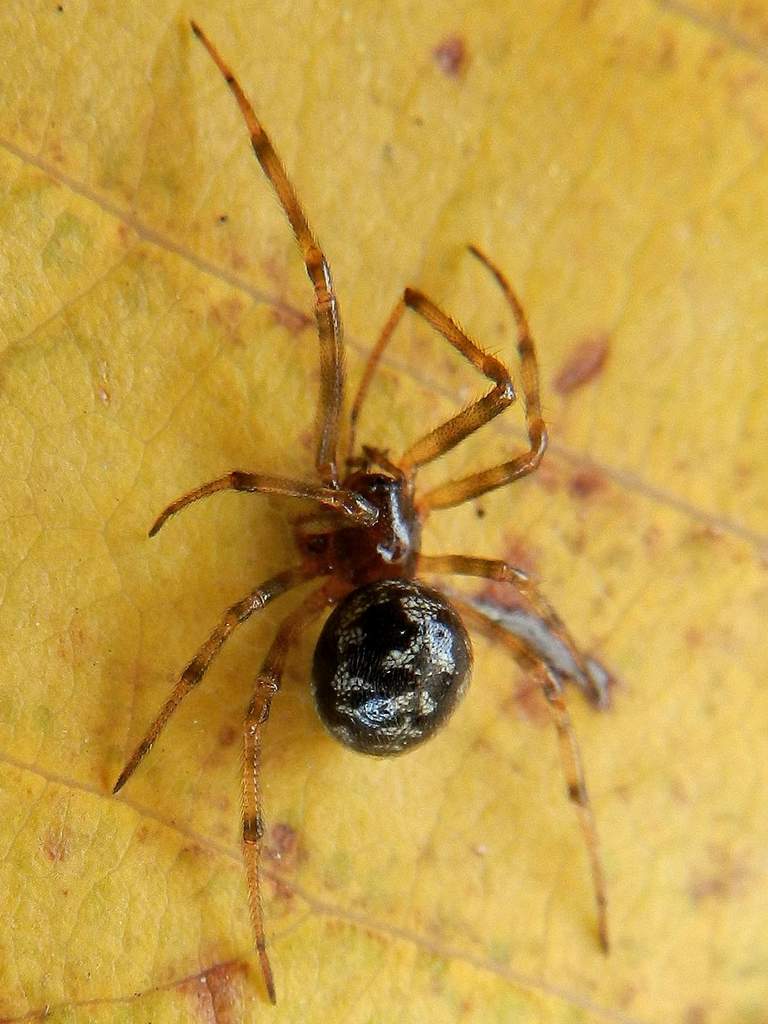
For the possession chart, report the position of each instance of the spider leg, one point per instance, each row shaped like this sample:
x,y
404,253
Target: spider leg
x,y
570,754
326,306
267,685
457,491
198,666
573,769
347,502
500,620
502,572
449,434
454,430
371,365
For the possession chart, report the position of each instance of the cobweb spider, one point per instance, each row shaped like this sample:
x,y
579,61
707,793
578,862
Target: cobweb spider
x,y
393,659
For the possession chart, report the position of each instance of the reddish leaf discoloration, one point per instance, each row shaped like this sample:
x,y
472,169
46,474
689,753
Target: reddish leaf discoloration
x,y
696,1014
227,735
586,482
217,995
293,320
585,362
57,844
451,56
528,702
282,846
726,877
227,314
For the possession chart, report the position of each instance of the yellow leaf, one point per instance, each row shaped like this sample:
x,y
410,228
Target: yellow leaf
x,y
612,158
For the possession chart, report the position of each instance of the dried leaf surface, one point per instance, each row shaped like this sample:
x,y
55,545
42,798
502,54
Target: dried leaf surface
x,y
612,157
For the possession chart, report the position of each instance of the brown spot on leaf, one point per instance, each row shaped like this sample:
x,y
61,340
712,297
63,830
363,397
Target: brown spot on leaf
x,y
227,735
586,482
695,1014
694,636
577,540
529,702
626,995
711,55
588,8
57,844
623,791
225,985
284,312
584,364
275,271
56,152
192,850
282,846
652,538
74,645
227,314
547,477
281,890
283,849
217,996
292,319
451,56
753,18
678,791
704,533
667,54
519,554
725,877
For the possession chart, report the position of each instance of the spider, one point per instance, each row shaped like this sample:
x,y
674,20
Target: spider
x,y
393,658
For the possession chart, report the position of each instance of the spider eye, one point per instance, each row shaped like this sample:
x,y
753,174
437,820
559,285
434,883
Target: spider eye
x,y
390,666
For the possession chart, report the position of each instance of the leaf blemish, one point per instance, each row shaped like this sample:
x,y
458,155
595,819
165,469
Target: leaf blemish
x,y
585,362
228,314
293,320
528,702
227,735
451,57
725,878
586,482
282,846
218,993
57,844
695,1014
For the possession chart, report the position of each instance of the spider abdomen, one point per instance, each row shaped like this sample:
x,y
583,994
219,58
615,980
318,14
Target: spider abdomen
x,y
391,664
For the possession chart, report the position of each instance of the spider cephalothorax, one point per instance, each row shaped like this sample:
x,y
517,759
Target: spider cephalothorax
x,y
362,553
394,657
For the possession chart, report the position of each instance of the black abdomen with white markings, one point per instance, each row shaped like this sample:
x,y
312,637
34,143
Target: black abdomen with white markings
x,y
392,662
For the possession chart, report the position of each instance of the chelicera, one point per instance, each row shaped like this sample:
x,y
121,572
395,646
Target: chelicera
x,y
394,657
